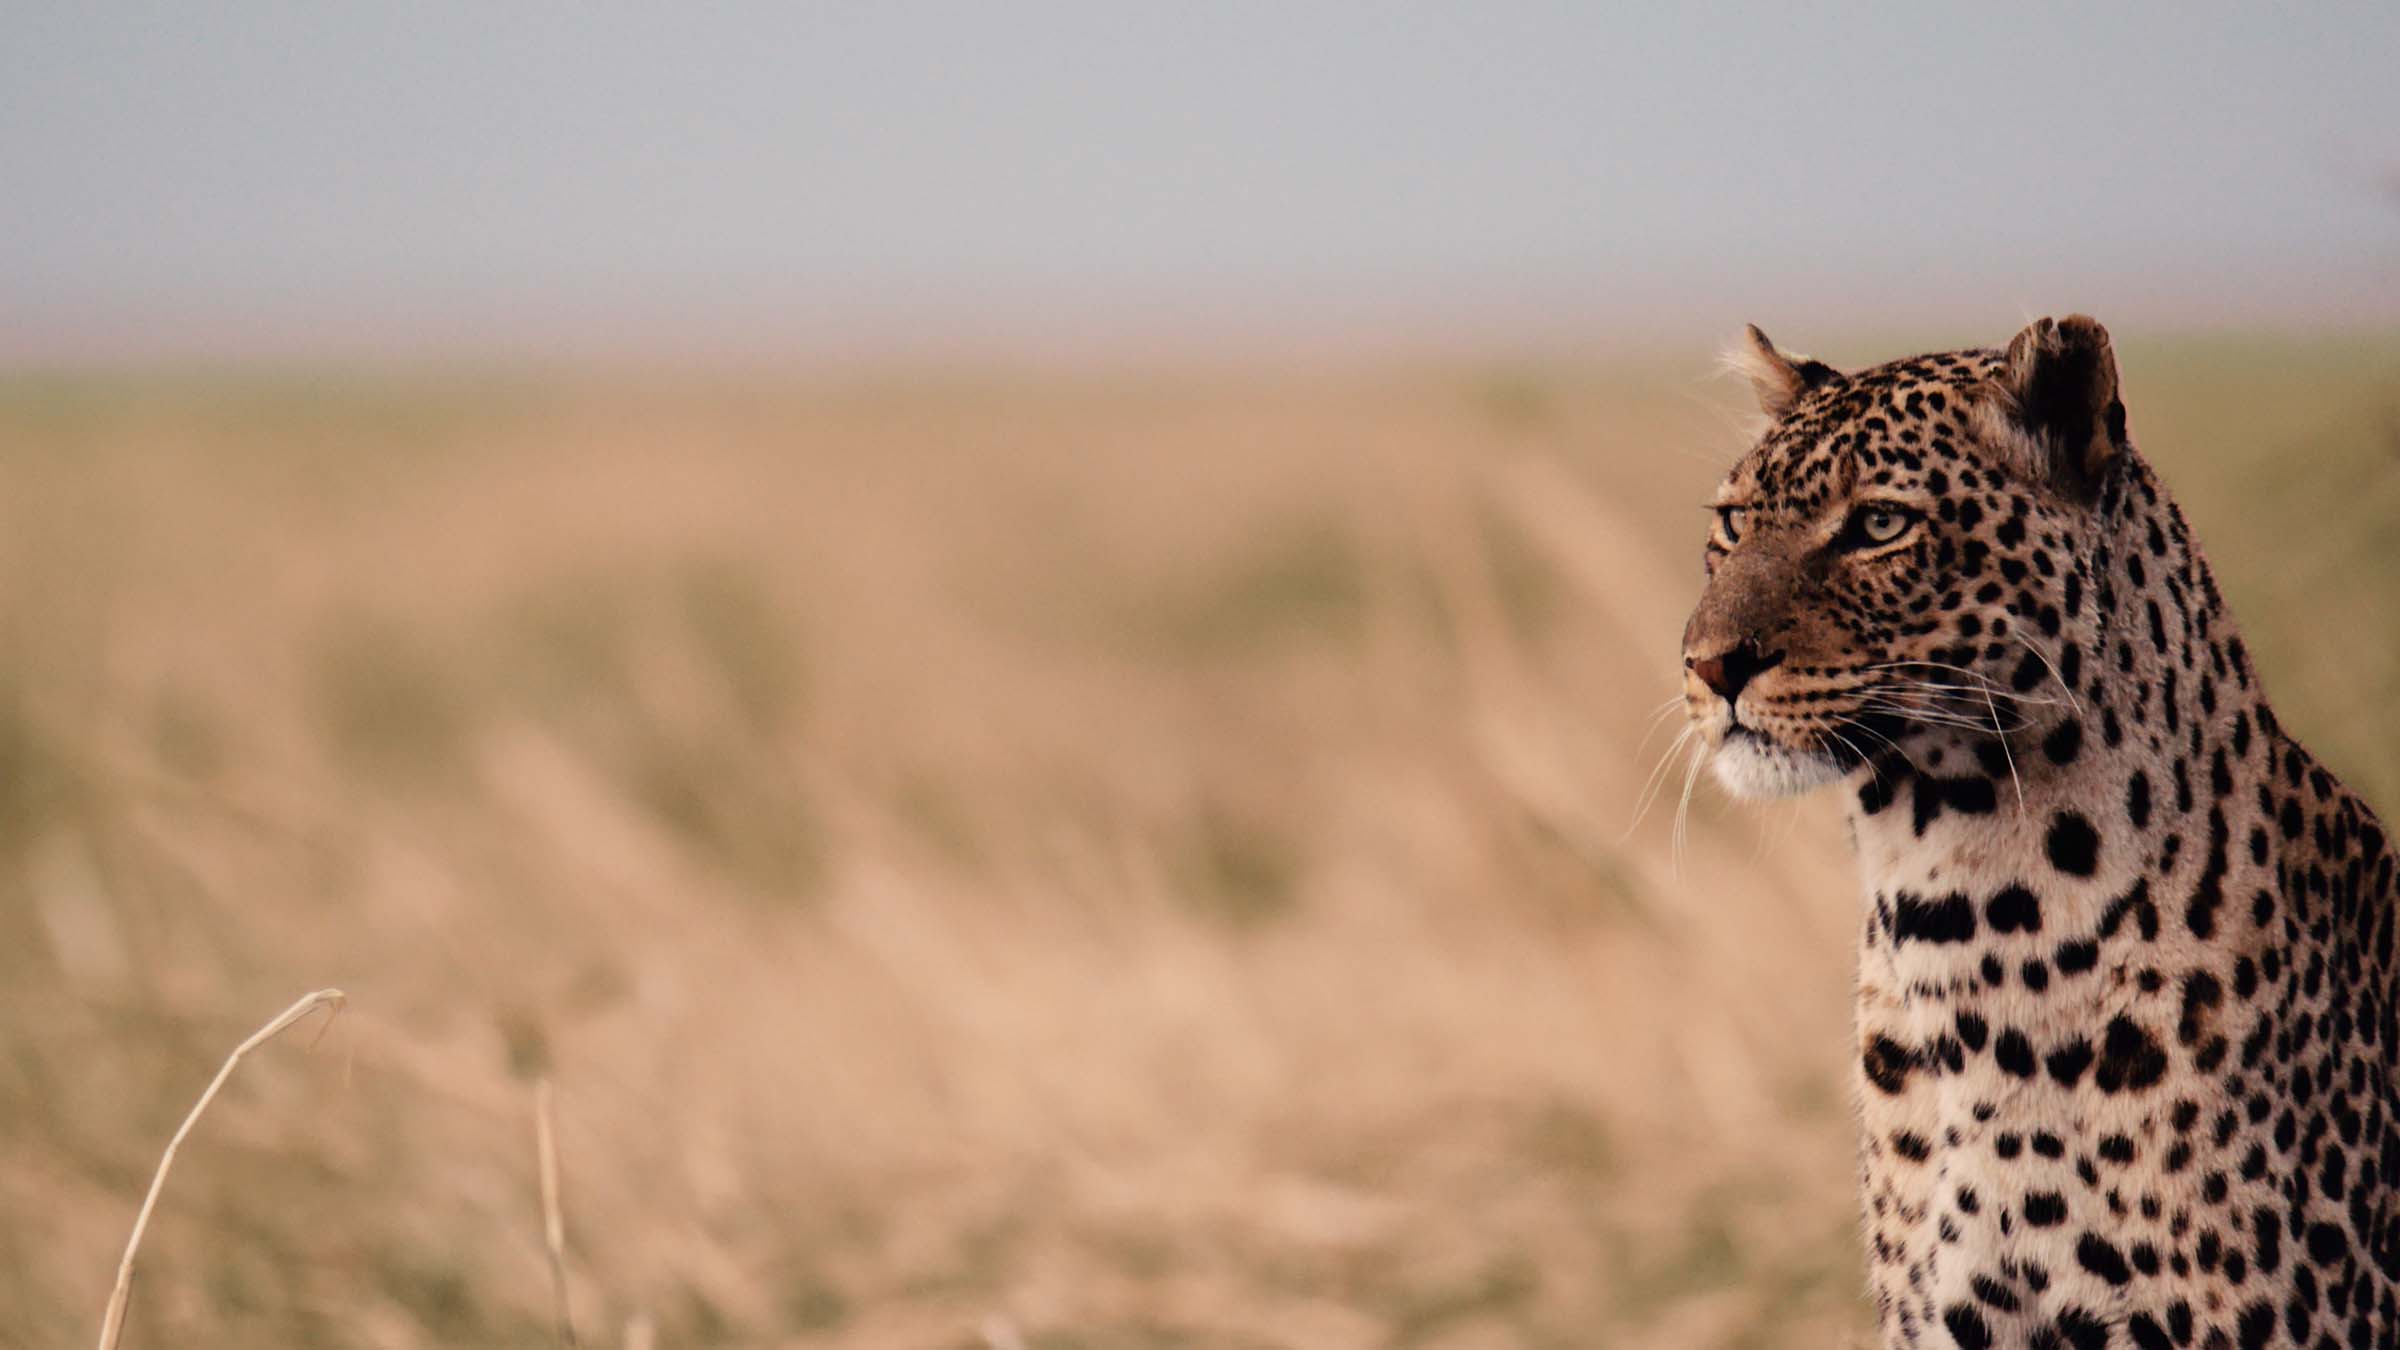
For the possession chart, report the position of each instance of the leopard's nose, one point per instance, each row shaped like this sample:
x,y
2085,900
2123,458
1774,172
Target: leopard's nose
x,y
1729,671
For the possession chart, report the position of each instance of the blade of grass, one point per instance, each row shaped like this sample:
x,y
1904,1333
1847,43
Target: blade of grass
x,y
112,1323
554,1226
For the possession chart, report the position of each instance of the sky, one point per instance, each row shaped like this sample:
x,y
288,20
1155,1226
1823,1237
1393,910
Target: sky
x,y
267,179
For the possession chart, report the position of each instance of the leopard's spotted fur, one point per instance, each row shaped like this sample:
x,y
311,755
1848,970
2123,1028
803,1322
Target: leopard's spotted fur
x,y
2127,1018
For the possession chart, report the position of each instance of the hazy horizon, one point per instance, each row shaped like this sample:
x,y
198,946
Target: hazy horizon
x,y
284,181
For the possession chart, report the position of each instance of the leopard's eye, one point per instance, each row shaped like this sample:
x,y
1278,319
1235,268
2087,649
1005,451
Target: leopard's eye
x,y
1877,523
1733,520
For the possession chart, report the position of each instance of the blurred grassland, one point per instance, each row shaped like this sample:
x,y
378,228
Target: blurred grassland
x,y
1121,862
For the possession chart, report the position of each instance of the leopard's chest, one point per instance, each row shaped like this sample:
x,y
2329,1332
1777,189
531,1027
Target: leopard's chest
x,y
2035,1103
2152,1096
2000,1125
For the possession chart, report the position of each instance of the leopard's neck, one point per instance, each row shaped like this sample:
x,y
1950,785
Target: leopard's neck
x,y
2102,787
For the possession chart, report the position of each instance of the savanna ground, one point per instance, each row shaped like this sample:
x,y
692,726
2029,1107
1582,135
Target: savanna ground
x,y
1102,862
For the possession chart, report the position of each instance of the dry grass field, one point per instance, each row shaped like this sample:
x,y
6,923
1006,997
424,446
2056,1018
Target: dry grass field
x,y
1046,862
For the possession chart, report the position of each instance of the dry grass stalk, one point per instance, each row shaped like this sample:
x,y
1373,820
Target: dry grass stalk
x,y
112,1323
554,1226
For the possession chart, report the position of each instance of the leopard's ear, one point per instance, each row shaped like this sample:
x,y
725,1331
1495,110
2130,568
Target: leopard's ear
x,y
1779,376
2058,386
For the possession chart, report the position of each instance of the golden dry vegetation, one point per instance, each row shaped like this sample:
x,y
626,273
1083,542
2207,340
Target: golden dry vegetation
x,y
1046,861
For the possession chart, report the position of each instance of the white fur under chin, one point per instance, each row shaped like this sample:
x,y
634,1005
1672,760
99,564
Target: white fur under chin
x,y
1751,768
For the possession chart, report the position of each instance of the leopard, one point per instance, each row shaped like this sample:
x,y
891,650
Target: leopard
x,y
2125,1009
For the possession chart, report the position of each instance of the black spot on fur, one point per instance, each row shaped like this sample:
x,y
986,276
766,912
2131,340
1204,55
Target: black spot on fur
x,y
2073,844
2065,743
1949,919
2201,917
2131,1059
2147,1333
2067,1062
2101,1257
1887,1064
1967,1327
1973,1031
2257,1325
2014,1053
2029,672
2014,910
2074,958
2075,1329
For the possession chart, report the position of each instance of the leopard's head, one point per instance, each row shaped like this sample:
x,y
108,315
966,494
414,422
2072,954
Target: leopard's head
x,y
1904,555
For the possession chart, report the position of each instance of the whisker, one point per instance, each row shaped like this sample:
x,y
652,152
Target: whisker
x,y
1922,664
1983,686
1935,702
1865,758
1656,782
2006,753
1934,717
1657,718
1988,692
1683,811
2051,666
